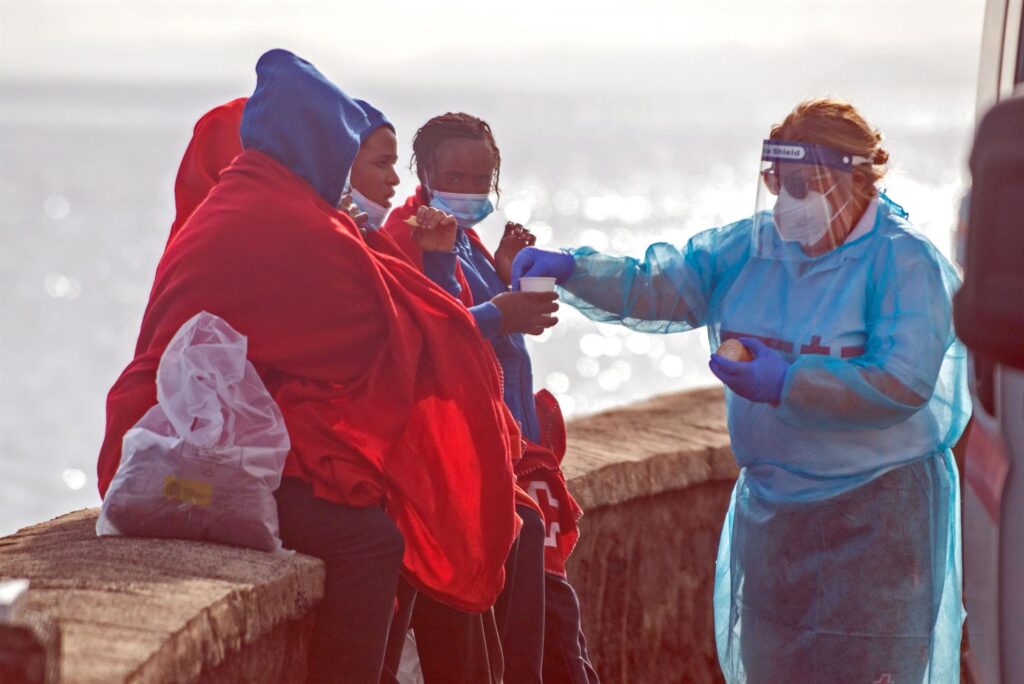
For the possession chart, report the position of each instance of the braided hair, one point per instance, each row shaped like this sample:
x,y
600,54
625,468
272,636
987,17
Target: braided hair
x,y
452,125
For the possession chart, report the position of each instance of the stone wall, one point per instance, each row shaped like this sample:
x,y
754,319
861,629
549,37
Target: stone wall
x,y
654,479
644,572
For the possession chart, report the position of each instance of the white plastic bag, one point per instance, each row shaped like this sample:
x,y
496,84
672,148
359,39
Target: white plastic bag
x,y
409,670
205,461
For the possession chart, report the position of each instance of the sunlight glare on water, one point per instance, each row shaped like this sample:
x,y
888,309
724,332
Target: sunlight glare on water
x,y
57,206
60,286
74,479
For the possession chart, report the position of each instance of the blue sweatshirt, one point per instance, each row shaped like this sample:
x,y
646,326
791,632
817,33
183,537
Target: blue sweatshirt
x,y
484,284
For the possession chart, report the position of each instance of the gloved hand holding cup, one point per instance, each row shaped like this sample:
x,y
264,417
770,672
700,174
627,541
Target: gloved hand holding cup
x,y
532,262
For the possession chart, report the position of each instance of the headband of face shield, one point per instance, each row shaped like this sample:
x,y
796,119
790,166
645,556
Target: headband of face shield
x,y
804,194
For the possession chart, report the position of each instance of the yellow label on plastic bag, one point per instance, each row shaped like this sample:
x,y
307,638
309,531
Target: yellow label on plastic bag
x,y
188,491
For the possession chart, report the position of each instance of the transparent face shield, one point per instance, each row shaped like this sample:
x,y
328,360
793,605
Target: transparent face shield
x,y
804,206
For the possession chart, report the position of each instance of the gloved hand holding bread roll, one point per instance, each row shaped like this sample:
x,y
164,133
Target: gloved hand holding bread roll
x,y
734,351
757,372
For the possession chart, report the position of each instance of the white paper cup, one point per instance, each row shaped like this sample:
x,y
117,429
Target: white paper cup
x,y
537,284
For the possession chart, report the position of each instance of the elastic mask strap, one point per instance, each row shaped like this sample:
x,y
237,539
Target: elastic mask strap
x,y
840,210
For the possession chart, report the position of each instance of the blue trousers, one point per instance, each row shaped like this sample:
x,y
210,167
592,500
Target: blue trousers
x,y
566,660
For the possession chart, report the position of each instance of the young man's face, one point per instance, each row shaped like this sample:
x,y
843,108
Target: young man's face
x,y
463,166
373,172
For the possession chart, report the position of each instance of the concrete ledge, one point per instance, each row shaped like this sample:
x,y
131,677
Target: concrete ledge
x,y
661,445
157,610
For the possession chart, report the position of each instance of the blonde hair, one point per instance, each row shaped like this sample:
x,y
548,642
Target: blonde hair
x,y
837,124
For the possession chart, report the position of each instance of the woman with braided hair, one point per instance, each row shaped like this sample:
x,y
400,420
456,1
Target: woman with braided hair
x,y
458,163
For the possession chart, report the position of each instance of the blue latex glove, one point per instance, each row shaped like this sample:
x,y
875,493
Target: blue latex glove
x,y
759,380
532,261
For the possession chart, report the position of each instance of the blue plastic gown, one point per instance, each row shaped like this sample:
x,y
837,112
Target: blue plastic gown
x,y
840,555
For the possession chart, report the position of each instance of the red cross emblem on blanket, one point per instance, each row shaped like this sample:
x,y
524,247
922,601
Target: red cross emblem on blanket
x,y
549,504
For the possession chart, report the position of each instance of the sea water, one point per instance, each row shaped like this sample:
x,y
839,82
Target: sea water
x,y
86,189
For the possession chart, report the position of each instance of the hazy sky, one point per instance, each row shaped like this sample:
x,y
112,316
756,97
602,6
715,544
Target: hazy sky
x,y
522,41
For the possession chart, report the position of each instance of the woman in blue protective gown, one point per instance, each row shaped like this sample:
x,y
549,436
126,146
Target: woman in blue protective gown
x,y
840,553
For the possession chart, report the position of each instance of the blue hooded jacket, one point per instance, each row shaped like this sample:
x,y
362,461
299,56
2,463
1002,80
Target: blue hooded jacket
x,y
304,121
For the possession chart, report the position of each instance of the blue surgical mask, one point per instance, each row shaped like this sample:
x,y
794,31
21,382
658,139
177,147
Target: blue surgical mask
x,y
468,209
375,213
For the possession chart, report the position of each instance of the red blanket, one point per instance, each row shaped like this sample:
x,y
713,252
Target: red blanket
x,y
388,390
401,233
539,472
215,142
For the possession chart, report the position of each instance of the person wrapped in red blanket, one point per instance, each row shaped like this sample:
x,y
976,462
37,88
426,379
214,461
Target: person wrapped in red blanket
x,y
391,398
458,164
215,143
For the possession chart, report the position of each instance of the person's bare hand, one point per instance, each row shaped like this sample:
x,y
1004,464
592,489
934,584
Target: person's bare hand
x,y
526,312
349,206
435,230
512,242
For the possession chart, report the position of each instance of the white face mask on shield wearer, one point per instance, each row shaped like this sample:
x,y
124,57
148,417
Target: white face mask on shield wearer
x,y
808,220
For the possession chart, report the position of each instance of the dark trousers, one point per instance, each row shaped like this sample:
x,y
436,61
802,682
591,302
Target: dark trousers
x,y
566,660
537,616
362,550
452,646
505,644
519,610
456,647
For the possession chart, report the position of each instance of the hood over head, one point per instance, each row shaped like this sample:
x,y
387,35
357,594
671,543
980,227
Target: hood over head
x,y
304,121
375,117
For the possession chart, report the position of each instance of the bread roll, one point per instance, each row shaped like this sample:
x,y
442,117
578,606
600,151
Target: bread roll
x,y
734,351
